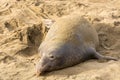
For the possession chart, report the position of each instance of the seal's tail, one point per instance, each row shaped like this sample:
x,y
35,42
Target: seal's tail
x,y
101,57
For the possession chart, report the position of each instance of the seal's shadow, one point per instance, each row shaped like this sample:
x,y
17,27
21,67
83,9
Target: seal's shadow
x,y
77,69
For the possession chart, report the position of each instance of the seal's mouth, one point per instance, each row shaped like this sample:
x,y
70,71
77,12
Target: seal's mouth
x,y
38,73
41,73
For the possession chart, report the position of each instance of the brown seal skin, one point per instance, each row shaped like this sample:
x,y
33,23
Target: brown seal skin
x,y
69,41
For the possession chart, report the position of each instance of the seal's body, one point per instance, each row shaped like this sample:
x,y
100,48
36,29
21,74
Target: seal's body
x,y
69,41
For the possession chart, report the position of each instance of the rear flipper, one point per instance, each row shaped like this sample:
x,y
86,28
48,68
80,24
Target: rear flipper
x,y
101,57
97,55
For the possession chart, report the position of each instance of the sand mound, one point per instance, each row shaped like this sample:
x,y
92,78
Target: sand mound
x,y
24,23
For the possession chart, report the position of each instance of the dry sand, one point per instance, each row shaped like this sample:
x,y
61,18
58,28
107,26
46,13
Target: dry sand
x,y
23,27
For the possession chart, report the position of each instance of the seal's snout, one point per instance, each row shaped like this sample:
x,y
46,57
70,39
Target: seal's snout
x,y
40,69
38,73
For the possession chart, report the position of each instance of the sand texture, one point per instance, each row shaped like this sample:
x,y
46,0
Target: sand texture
x,y
24,24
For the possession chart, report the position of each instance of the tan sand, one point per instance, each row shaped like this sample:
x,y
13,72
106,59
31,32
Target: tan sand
x,y
23,27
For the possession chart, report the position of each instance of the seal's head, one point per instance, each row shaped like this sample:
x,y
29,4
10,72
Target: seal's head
x,y
51,59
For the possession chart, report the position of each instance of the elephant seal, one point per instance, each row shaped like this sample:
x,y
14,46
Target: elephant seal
x,y
69,41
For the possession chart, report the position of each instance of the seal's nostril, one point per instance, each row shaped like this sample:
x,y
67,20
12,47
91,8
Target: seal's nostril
x,y
37,74
40,72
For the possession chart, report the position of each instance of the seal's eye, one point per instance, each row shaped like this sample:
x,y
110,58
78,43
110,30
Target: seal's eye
x,y
52,57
